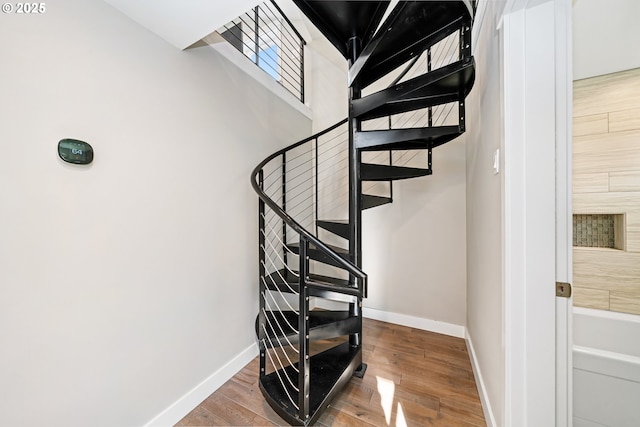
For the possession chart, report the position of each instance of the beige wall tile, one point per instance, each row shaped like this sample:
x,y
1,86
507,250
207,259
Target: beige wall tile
x,y
611,152
624,120
591,182
624,181
591,125
606,269
591,298
626,302
602,94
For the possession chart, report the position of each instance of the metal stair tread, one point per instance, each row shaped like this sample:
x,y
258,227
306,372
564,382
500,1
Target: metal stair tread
x,y
280,277
323,325
373,172
387,139
444,85
368,201
330,370
318,255
317,318
337,227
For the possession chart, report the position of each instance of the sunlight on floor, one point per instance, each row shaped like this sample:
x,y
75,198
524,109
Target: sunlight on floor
x,y
386,389
400,420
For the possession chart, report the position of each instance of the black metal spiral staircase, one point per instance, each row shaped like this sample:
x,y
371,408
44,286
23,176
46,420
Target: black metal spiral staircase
x,y
307,355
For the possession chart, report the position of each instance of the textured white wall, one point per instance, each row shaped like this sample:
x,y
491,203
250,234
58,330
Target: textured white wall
x,y
125,283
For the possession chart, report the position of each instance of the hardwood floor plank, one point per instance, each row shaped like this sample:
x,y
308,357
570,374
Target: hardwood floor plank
x,y
414,377
333,417
199,417
231,412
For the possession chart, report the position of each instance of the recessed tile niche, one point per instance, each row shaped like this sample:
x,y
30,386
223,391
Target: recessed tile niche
x,y
598,231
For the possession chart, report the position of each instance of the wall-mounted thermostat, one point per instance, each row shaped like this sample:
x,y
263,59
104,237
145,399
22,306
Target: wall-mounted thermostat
x,y
75,151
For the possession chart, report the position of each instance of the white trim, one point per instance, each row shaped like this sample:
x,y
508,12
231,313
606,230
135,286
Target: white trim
x,y
513,225
530,216
490,419
564,210
605,314
430,325
181,407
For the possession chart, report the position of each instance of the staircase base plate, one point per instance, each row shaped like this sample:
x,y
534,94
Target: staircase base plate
x,y
359,373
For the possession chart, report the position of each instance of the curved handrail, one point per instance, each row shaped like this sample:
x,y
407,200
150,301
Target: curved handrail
x,y
345,264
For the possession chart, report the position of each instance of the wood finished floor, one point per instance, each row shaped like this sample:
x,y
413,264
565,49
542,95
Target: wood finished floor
x,y
414,378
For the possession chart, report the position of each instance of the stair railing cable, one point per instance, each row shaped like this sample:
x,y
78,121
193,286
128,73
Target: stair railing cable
x,y
287,186
447,50
269,39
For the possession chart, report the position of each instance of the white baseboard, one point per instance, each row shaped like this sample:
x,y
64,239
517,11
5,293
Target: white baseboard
x,y
180,408
415,322
482,390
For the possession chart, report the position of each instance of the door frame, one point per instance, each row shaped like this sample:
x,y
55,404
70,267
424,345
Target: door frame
x,y
536,37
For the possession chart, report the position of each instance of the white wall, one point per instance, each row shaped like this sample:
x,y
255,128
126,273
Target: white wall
x,y
326,88
125,283
414,249
485,124
605,37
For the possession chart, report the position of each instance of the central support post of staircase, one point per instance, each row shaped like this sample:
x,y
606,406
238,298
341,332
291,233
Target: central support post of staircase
x,y
355,200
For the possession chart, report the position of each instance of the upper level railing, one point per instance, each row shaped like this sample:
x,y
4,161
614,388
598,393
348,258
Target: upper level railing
x,y
267,37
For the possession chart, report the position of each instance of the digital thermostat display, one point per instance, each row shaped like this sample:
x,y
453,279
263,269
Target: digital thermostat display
x,y
75,151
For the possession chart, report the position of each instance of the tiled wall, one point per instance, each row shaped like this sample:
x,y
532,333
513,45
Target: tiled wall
x,y
606,184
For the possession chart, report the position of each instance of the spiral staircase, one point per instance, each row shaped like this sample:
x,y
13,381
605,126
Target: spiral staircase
x,y
410,69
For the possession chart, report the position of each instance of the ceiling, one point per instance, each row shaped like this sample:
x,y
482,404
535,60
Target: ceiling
x,y
606,36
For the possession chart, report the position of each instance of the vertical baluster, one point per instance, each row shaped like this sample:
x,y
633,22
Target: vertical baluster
x,y
303,328
256,28
262,274
284,206
465,52
430,109
317,207
302,71
390,164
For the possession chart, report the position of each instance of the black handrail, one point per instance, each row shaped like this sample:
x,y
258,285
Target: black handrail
x,y
343,263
